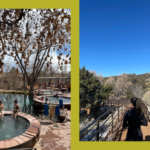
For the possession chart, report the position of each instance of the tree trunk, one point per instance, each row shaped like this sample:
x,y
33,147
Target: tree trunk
x,y
25,106
31,90
24,81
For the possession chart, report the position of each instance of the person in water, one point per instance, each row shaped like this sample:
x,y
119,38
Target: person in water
x,y
35,94
56,95
16,109
46,101
1,110
133,119
42,98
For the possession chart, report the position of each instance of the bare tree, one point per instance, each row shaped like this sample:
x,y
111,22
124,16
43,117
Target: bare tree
x,y
122,85
137,91
110,81
30,35
146,97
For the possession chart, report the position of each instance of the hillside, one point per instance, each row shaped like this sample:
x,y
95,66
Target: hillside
x,y
129,85
141,79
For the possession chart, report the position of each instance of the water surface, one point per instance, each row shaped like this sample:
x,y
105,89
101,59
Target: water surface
x,y
10,127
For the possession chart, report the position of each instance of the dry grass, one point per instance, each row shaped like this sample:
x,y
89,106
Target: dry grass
x,y
14,91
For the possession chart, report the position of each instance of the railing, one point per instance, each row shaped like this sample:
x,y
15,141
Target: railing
x,y
38,135
99,129
113,102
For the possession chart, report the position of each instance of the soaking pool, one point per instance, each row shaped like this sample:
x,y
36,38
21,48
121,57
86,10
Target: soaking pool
x,y
17,133
56,100
49,92
8,101
10,127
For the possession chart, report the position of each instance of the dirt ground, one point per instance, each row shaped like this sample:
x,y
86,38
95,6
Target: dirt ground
x,y
145,131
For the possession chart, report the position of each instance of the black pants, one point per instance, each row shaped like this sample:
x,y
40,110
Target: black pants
x,y
134,135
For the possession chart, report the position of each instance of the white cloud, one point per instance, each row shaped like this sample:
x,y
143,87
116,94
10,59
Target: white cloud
x,y
10,61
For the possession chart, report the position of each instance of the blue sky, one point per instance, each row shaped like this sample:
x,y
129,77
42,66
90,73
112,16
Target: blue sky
x,y
115,36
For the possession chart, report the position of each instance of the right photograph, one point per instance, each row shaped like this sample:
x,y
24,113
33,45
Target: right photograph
x,y
114,102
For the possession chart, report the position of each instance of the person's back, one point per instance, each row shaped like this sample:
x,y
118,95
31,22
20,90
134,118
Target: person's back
x,y
133,119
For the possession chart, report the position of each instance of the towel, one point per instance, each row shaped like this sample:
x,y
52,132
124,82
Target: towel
x,y
57,112
53,87
52,110
46,109
61,103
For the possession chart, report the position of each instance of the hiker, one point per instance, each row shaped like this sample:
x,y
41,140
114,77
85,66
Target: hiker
x,y
16,109
1,110
133,119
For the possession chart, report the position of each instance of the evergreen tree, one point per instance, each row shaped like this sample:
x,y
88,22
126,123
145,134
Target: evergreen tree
x,y
89,89
106,91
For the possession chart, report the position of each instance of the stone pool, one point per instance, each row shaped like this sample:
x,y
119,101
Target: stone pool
x,y
10,127
21,132
49,92
56,100
14,133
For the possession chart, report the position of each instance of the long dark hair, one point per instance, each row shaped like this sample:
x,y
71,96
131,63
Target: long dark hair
x,y
137,103
16,101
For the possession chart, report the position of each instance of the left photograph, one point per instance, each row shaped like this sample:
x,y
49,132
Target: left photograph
x,y
35,82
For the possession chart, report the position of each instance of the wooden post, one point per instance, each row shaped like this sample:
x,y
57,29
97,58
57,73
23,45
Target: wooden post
x,y
98,131
124,106
118,111
112,122
58,82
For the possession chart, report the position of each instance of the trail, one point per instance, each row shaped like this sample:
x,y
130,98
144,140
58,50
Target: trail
x,y
122,132
145,131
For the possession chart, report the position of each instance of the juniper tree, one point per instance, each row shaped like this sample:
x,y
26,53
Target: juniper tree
x,y
106,91
89,89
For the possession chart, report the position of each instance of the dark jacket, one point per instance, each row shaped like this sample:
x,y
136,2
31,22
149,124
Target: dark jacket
x,y
133,120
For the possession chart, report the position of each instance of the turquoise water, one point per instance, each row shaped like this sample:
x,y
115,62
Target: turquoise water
x,y
8,101
56,100
23,102
48,92
10,127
